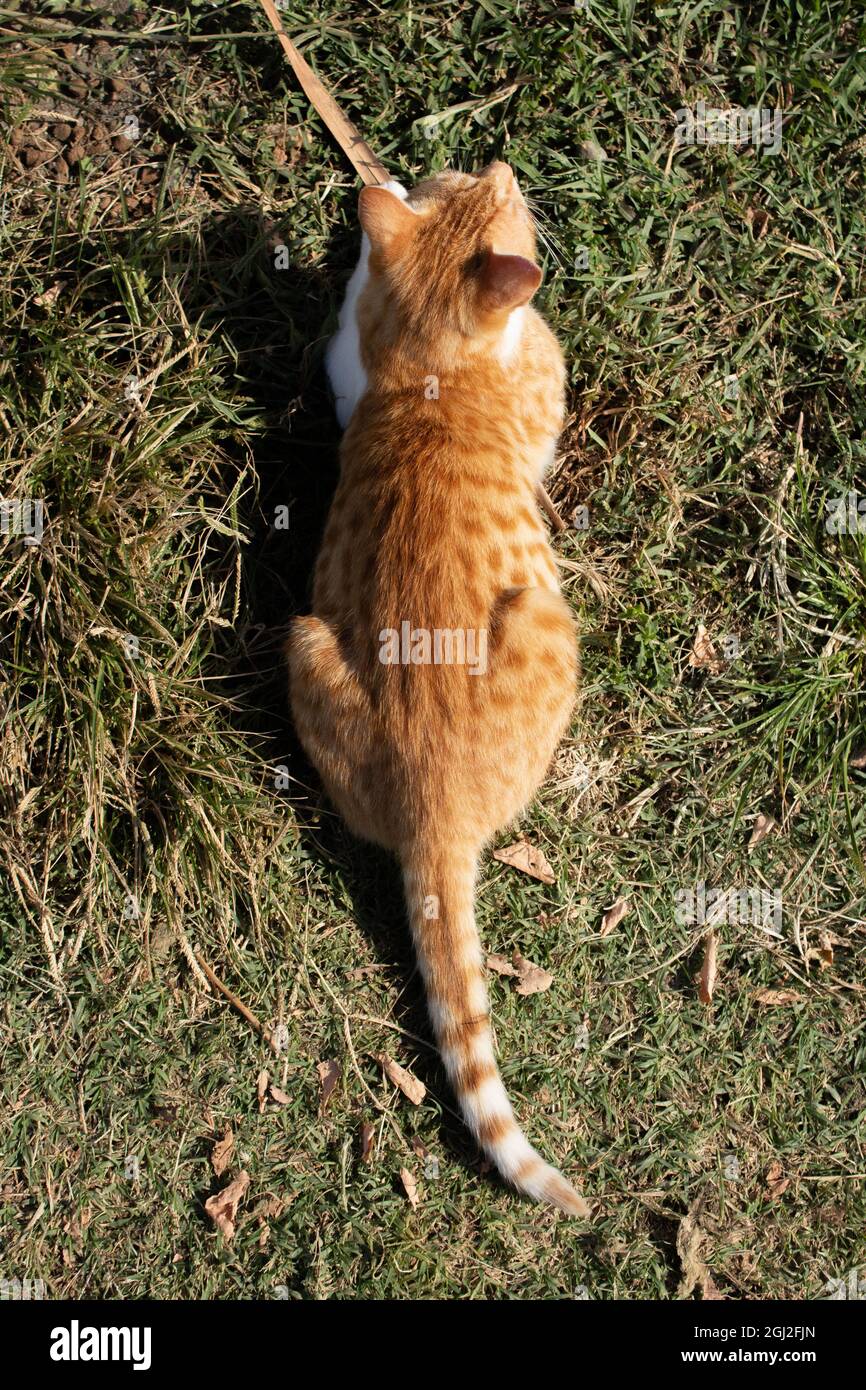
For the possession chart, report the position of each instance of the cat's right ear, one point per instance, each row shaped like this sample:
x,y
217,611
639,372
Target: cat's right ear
x,y
507,281
385,218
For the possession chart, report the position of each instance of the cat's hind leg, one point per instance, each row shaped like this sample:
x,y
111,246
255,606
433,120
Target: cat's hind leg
x,y
335,721
530,692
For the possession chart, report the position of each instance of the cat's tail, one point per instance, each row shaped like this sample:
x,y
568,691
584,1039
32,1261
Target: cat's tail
x,y
440,892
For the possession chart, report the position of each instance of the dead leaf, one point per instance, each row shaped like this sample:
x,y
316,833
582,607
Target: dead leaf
x,y
775,1180
410,1187
613,916
708,969
262,1082
858,760
222,1208
500,965
49,297
411,1087
703,655
271,1209
531,978
592,150
777,996
760,830
76,1226
360,972
329,1075
279,1095
367,1133
758,220
690,1239
221,1154
419,1149
527,858
711,1290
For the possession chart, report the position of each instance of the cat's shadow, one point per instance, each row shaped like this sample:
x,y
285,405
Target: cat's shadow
x,y
276,312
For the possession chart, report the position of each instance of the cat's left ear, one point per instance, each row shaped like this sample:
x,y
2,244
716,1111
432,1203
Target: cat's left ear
x,y
385,217
507,281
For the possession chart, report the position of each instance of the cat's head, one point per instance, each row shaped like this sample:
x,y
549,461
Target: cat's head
x,y
449,262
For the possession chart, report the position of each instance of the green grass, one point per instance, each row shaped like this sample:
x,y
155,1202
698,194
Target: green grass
x,y
144,808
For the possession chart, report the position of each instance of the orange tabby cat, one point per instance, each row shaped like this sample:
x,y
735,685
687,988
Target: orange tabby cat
x,y
438,670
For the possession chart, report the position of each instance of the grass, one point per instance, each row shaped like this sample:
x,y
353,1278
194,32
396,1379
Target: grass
x,y
161,390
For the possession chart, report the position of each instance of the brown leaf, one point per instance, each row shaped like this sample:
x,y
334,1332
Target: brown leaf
x,y
222,1208
527,858
690,1238
279,1095
759,220
410,1187
367,1133
49,297
777,996
329,1075
411,1087
858,760
760,830
221,1154
360,972
76,1226
592,150
262,1083
419,1149
613,916
271,1208
703,655
531,978
500,965
708,969
775,1180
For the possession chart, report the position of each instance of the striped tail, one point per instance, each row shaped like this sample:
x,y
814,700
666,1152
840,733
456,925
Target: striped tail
x,y
440,892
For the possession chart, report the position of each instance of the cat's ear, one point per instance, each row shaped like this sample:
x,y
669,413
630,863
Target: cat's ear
x,y
385,217
507,281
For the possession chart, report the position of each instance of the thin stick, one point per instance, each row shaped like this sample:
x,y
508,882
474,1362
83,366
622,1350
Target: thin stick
x,y
370,169
547,506
239,1005
367,165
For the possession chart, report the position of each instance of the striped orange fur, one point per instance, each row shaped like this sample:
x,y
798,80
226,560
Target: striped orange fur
x,y
434,530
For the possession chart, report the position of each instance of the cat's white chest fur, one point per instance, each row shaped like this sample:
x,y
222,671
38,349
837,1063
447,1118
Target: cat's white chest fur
x,y
343,357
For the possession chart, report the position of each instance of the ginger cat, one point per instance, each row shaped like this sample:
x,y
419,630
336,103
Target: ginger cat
x,y
438,669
